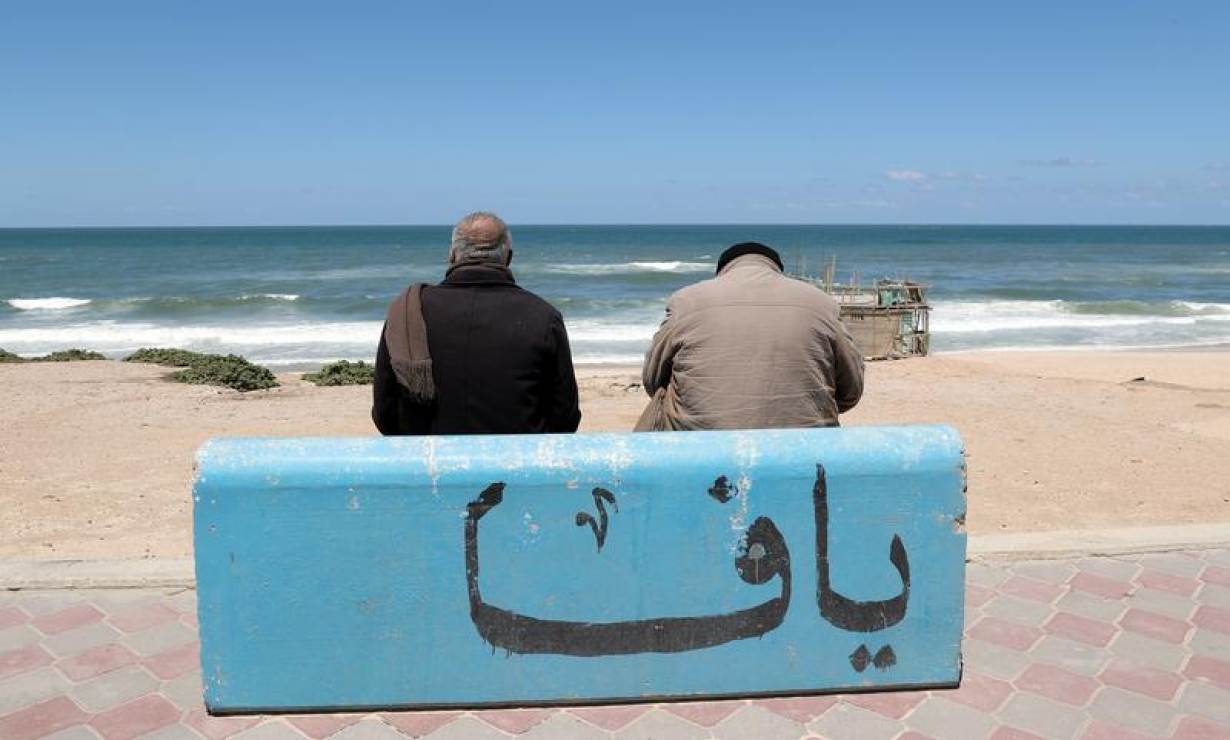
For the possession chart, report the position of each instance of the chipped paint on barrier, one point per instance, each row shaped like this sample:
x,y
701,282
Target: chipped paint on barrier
x,y
433,470
574,568
437,466
619,458
747,454
531,528
548,454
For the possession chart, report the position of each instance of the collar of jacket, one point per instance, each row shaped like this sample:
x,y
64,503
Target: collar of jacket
x,y
479,274
749,260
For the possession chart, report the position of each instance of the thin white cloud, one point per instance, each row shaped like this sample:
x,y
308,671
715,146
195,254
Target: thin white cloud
x,y
1217,167
905,175
962,176
1062,162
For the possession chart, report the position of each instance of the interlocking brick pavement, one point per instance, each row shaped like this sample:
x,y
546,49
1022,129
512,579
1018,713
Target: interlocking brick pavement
x,y
1122,648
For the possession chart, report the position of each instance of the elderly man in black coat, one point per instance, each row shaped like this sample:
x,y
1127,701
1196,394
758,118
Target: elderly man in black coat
x,y
475,354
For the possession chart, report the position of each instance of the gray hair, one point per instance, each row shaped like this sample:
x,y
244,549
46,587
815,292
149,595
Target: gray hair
x,y
480,237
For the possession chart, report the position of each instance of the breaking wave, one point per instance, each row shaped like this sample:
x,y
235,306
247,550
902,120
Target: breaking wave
x,y
47,304
593,341
1124,324
270,296
170,304
600,332
990,316
116,335
627,268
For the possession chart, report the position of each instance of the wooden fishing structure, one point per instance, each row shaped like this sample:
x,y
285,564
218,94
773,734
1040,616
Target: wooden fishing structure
x,y
889,320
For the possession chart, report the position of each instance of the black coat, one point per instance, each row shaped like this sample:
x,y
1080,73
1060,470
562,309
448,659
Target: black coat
x,y
500,362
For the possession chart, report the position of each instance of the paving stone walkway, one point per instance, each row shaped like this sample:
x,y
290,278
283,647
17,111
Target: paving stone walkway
x,y
1114,647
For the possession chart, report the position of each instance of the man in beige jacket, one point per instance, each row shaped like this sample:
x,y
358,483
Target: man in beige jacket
x,y
750,349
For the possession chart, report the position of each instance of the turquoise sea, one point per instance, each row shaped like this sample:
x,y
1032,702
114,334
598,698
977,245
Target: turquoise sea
x,y
300,296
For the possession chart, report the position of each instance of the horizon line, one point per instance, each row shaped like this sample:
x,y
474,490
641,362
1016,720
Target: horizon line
x,y
660,224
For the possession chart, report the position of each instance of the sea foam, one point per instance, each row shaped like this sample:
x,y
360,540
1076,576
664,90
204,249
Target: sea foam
x,y
269,296
589,330
47,304
627,268
121,334
957,317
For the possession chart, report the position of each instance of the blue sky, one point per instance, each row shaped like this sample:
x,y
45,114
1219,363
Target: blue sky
x,y
178,113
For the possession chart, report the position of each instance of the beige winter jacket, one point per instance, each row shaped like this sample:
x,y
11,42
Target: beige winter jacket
x,y
752,349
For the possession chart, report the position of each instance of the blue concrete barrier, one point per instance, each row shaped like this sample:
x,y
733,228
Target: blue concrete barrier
x,y
405,572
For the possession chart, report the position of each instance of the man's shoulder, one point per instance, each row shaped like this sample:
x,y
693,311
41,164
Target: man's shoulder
x,y
781,289
537,302
695,294
517,297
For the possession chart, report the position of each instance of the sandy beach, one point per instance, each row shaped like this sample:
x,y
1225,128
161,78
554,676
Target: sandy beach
x,y
96,457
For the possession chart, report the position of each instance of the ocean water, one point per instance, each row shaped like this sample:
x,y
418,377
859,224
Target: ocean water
x,y
300,296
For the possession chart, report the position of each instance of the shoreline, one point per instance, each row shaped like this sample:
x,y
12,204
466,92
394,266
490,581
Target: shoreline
x,y
1213,347
300,368
96,462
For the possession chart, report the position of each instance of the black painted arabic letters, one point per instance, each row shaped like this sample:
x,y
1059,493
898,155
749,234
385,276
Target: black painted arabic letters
x,y
599,527
884,658
860,658
842,612
764,555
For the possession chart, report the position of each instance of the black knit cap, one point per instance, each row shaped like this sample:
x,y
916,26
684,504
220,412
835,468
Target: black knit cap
x,y
743,248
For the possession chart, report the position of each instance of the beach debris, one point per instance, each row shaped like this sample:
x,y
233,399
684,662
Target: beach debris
x,y
343,372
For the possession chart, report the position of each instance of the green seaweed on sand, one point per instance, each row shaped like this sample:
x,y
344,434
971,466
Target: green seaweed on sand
x,y
70,355
64,355
230,371
166,356
342,372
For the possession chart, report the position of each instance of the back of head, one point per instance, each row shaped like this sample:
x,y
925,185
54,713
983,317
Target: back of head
x,y
744,248
480,238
